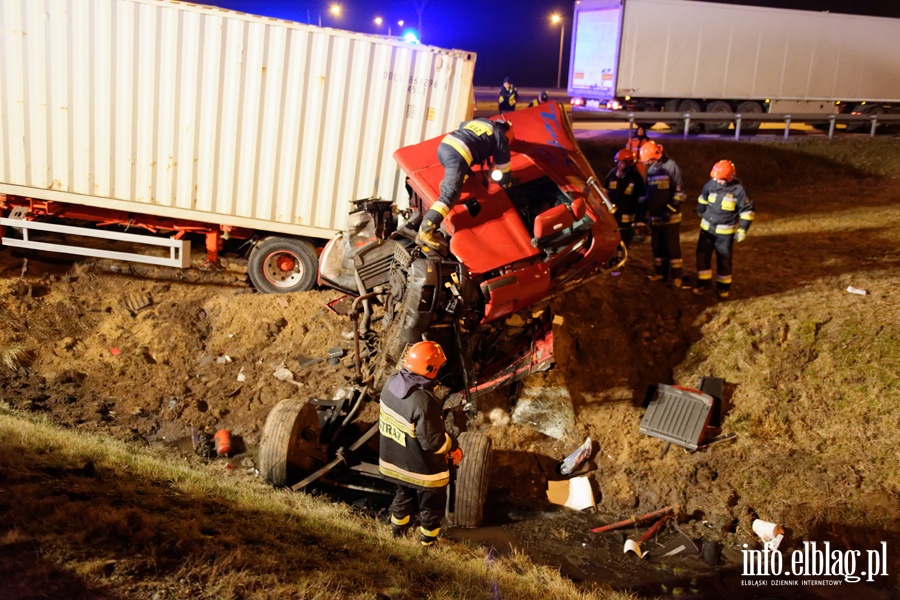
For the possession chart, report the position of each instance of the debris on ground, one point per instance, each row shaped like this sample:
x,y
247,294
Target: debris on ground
x,y
576,459
770,533
574,493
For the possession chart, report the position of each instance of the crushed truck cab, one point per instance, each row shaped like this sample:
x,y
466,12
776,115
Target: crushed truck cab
x,y
485,300
510,251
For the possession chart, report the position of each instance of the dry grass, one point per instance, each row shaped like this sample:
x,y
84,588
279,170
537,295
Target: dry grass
x,y
813,371
86,516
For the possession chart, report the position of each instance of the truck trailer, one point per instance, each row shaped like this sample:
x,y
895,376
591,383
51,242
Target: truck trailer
x,y
690,56
170,119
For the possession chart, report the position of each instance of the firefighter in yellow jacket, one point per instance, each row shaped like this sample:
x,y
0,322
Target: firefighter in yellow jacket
x,y
726,213
415,451
475,142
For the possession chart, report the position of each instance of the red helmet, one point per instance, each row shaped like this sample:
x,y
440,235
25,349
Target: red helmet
x,y
425,359
651,151
624,155
724,169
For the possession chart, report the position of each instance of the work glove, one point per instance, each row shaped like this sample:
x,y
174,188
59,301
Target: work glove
x,y
455,457
740,236
431,239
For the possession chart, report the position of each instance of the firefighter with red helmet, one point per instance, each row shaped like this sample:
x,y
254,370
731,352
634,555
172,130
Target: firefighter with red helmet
x,y
625,187
475,142
662,209
726,213
415,450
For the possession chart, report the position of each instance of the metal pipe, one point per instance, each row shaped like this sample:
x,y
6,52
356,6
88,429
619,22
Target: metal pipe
x,y
354,315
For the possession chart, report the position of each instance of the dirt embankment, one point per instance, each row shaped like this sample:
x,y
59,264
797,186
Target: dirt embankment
x,y
810,370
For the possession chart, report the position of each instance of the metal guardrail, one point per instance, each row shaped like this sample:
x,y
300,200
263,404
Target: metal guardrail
x,y
739,119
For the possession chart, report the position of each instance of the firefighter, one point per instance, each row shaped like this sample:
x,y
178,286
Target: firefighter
x,y
416,452
542,98
726,213
508,96
634,144
625,187
474,142
662,209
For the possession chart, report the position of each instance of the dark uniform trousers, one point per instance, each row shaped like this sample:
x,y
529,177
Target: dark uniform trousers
x,y
722,244
456,169
666,246
431,504
626,227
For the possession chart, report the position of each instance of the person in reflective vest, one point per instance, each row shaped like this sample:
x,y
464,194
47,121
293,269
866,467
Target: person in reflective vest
x,y
634,144
625,187
726,213
415,450
662,207
541,99
473,143
508,96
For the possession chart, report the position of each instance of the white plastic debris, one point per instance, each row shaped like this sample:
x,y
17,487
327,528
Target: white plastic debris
x,y
771,534
240,376
575,493
857,291
282,374
223,360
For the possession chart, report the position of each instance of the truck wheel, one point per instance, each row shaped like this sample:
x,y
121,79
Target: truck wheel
x,y
690,106
280,265
290,443
747,108
718,106
472,478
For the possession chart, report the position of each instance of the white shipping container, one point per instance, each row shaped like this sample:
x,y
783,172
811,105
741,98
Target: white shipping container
x,y
199,113
704,50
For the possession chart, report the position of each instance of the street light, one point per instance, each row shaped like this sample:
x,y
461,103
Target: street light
x,y
555,18
334,9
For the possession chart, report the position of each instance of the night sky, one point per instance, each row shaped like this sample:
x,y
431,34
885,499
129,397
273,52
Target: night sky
x,y
513,38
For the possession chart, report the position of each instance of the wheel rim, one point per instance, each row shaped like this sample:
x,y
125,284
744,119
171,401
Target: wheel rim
x,y
282,269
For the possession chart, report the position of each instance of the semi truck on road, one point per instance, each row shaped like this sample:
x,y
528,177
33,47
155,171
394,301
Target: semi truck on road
x,y
173,118
690,56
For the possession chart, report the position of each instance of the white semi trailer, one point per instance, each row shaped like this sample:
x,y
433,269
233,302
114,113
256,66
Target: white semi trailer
x,y
176,119
690,56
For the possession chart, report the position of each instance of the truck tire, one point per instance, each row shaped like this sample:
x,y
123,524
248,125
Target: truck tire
x,y
290,443
690,106
473,476
750,107
718,127
280,265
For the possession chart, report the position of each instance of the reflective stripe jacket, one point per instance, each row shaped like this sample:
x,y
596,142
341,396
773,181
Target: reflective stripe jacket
x,y
507,100
724,208
414,445
478,140
625,191
664,192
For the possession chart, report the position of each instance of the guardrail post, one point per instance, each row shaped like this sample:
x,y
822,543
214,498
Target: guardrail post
x,y
832,121
787,126
687,124
737,127
874,125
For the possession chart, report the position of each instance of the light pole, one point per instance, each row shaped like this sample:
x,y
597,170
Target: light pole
x,y
334,9
555,18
